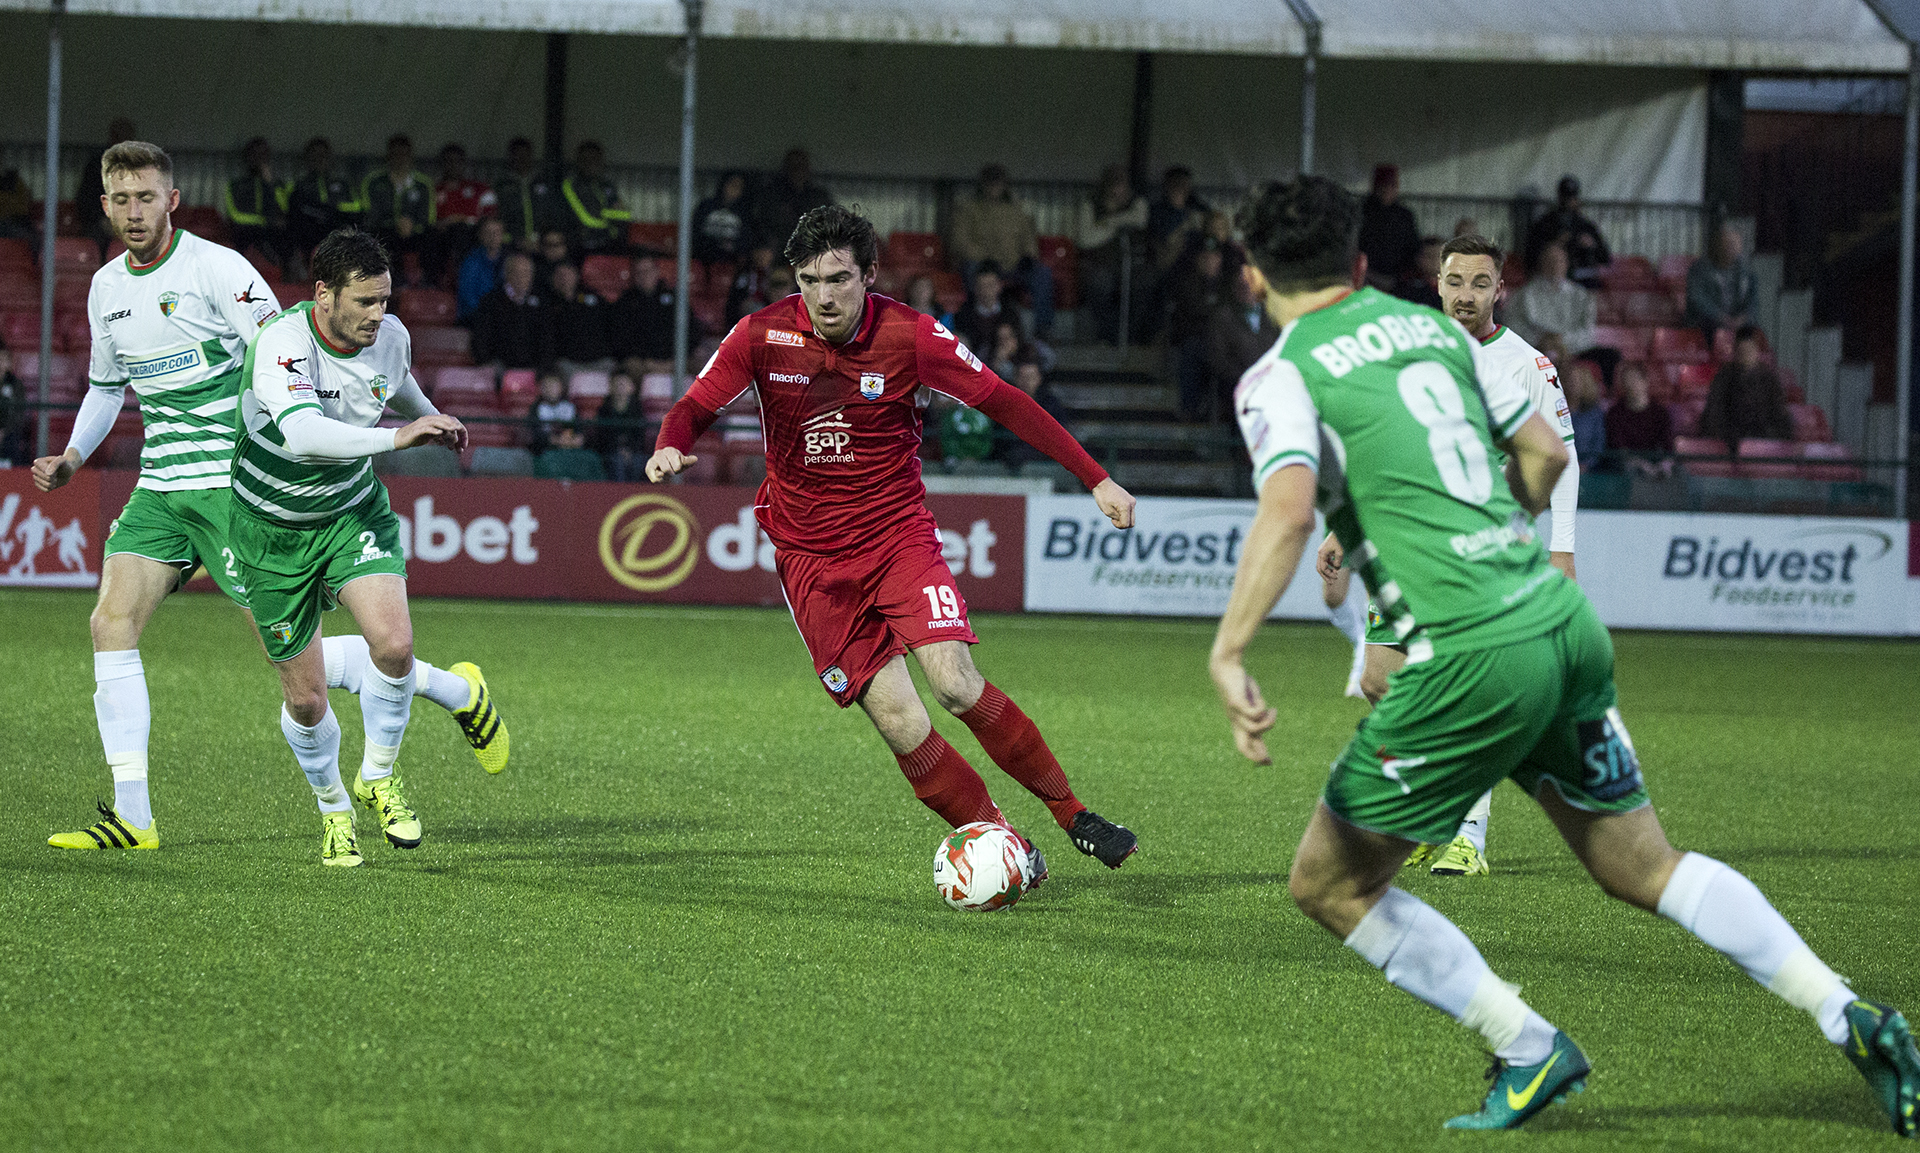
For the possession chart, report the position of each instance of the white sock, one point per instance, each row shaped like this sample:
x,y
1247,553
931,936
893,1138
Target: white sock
x,y
125,716
1474,828
317,749
348,660
440,686
385,704
1724,909
1427,955
1351,619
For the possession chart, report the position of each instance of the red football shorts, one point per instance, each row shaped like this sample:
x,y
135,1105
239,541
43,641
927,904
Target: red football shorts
x,y
858,609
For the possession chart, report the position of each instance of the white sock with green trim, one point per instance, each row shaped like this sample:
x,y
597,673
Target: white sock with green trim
x,y
348,659
125,716
317,749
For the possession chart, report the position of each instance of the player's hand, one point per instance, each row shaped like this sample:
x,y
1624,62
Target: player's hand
x,y
667,462
50,472
1247,711
1116,502
1327,560
438,429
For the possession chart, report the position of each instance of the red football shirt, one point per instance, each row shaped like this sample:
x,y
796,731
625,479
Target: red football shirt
x,y
464,198
843,422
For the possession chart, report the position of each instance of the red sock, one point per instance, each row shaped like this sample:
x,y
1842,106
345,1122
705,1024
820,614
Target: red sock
x,y
1015,744
947,784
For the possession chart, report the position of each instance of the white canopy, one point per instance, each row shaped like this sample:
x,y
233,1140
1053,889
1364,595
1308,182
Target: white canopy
x,y
1783,35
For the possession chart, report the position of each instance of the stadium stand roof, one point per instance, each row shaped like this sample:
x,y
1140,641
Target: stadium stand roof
x,y
1762,35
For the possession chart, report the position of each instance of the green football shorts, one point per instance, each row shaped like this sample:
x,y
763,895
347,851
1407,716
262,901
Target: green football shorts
x,y
1450,727
294,574
185,529
1379,632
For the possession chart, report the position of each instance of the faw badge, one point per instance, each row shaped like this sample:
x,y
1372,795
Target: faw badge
x,y
168,302
872,384
380,389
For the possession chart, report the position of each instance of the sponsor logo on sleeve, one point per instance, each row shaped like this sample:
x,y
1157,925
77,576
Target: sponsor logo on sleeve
x,y
782,336
263,312
966,354
872,384
1544,364
246,296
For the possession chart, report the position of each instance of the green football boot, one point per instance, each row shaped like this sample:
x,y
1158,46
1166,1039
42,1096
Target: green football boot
x,y
1520,1091
1881,1046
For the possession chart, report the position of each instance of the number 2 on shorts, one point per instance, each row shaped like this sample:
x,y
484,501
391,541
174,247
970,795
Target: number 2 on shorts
x,y
942,602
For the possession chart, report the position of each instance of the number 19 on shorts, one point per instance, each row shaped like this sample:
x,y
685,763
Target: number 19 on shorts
x,y
942,602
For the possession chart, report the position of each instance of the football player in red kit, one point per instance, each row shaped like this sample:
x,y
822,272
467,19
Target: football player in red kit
x,y
838,372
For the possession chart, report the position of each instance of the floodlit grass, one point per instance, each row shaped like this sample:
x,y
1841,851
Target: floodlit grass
x,y
697,912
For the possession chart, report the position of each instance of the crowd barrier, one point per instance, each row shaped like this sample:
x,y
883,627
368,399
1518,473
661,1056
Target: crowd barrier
x,y
684,544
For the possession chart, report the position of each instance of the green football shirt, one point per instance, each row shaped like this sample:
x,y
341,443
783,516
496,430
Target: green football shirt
x,y
1389,403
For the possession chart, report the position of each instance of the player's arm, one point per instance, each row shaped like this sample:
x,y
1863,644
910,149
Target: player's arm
x,y
1282,527
1565,502
230,278
729,372
1536,458
99,408
945,365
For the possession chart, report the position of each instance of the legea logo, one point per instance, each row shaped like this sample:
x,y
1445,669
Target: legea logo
x,y
648,542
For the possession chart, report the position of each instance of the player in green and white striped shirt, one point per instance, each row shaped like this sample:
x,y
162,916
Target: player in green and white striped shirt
x,y
1388,416
172,319
311,526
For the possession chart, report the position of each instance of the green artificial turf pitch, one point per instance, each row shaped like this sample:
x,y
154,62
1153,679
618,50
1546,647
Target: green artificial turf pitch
x,y
697,911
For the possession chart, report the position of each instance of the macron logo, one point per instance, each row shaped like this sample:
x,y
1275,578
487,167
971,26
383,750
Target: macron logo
x,y
789,378
782,336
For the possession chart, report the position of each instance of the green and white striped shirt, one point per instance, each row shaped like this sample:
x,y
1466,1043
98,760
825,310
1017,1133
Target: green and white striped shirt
x,y
294,368
177,330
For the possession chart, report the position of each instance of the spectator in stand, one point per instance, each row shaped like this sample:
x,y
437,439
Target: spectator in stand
x,y
16,447
579,320
88,216
1721,288
480,271
1640,428
549,413
550,254
1389,235
511,328
567,457
641,322
319,202
1002,352
1745,398
460,203
1030,377
399,205
597,221
991,227
1112,236
1552,304
922,297
985,307
16,206
1198,288
1239,333
1566,225
780,282
1589,418
619,432
255,205
1423,285
749,292
529,199
721,230
784,197
1176,218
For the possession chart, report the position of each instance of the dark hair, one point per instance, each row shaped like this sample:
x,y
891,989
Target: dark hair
x,y
519,142
1473,244
347,253
1301,234
1750,332
455,147
589,146
829,227
318,142
136,156
1179,170
400,138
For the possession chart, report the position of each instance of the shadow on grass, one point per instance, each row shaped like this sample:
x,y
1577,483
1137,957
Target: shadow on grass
x,y
1162,890
1845,1104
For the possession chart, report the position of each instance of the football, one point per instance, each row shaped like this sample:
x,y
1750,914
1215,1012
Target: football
x,y
980,867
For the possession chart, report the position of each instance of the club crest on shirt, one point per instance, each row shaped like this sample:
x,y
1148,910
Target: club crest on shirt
x,y
379,386
834,679
282,632
782,336
168,302
872,384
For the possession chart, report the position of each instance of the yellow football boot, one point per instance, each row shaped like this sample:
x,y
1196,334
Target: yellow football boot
x,y
110,832
480,722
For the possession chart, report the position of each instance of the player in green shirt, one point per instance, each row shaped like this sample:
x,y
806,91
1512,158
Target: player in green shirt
x,y
1378,410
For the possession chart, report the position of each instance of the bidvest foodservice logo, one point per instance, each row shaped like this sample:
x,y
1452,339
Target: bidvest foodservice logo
x,y
1816,567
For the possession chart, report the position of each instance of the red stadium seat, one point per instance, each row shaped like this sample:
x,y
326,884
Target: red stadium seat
x,y
1703,446
442,344
21,330
585,407
1809,422
1630,342
1630,272
710,312
1692,379
16,254
911,252
115,250
656,237
202,220
1645,307
588,384
1686,415
70,292
518,387
268,270
1829,452
74,331
1673,268
1679,346
606,275
76,254
1606,308
1514,271
66,222
1723,344
423,306
1769,459
949,290
459,380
